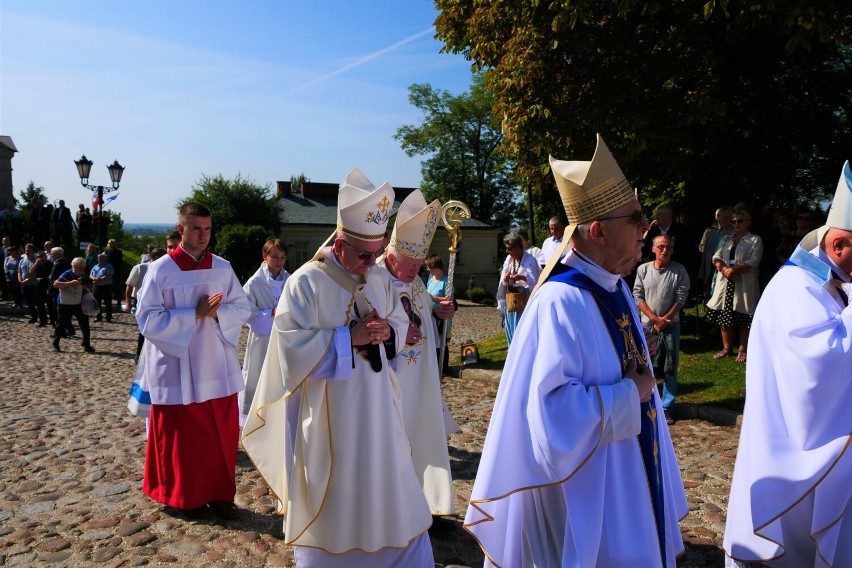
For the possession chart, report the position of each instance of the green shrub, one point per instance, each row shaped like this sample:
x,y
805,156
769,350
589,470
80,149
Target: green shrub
x,y
477,295
241,245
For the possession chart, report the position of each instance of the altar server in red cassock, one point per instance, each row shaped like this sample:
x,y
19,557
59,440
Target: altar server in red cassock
x,y
190,309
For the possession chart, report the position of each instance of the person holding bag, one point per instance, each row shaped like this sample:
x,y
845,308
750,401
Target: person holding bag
x,y
73,285
518,278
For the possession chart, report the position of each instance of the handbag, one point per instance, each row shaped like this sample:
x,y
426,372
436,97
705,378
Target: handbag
x,y
516,301
89,305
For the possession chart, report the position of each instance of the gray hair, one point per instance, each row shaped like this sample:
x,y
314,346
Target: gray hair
x,y
57,252
81,262
513,239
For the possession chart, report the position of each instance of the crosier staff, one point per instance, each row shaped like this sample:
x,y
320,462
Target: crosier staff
x,y
452,214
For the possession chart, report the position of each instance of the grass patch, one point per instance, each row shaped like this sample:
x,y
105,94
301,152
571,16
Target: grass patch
x,y
701,379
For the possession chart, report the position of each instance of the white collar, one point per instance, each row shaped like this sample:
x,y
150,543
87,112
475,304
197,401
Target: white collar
x,y
605,279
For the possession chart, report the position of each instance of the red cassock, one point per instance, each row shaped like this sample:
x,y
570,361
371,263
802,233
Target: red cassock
x,y
191,453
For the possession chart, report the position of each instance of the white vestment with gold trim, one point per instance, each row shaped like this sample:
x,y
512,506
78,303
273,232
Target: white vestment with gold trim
x,y
561,481
422,407
791,489
334,452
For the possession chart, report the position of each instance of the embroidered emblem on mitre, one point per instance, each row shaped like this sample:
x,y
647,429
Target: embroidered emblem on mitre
x,y
415,226
591,189
362,208
840,214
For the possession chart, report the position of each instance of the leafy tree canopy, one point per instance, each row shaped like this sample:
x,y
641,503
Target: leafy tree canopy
x,y
462,140
237,202
701,102
31,194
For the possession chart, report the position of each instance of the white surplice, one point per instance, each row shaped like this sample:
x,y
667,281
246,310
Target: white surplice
x,y
791,488
263,292
332,445
561,481
190,360
422,406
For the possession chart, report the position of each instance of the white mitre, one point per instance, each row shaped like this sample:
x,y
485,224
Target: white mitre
x,y
415,226
840,213
362,208
590,189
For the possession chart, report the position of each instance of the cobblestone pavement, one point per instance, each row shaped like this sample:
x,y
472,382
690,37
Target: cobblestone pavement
x,y
71,460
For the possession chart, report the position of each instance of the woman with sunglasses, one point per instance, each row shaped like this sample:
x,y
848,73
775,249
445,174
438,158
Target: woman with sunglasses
x,y
736,289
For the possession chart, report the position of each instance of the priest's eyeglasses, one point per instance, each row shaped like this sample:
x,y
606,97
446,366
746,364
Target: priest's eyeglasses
x,y
637,217
366,255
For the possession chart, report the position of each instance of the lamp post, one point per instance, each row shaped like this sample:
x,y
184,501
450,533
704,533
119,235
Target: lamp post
x,y
84,167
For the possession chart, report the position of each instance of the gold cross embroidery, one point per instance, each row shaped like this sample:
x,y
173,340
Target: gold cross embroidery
x,y
383,205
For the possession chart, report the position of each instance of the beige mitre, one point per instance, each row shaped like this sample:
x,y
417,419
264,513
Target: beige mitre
x,y
363,209
415,226
590,190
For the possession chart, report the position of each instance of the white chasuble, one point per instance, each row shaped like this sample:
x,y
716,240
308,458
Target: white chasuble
x,y
334,452
791,491
562,481
422,406
190,360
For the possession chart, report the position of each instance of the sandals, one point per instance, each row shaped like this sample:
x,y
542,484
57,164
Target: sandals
x,y
722,354
741,356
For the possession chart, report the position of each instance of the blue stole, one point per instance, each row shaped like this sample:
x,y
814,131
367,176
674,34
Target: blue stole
x,y
626,339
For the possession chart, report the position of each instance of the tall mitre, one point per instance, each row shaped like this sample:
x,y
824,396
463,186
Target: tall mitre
x,y
590,189
415,226
363,209
840,213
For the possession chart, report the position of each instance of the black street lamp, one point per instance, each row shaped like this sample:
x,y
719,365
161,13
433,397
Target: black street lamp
x,y
84,167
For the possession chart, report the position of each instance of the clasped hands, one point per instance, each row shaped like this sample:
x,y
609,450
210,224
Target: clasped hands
x,y
208,306
643,378
371,330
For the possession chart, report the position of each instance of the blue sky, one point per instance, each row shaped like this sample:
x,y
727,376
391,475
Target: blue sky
x,y
174,89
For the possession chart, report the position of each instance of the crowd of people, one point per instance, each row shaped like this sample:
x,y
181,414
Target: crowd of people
x,y
337,401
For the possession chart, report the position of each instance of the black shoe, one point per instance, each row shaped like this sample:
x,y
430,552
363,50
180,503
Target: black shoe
x,y
109,320
88,349
669,418
56,345
33,320
99,318
41,324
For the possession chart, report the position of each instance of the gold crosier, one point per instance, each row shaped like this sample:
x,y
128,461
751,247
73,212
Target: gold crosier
x,y
452,213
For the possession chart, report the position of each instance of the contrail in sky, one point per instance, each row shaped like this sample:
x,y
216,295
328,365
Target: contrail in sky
x,y
365,59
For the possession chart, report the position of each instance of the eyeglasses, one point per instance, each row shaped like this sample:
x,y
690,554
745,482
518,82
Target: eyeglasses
x,y
803,218
738,221
366,255
664,247
637,217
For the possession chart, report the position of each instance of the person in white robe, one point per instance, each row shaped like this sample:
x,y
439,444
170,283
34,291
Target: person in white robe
x,y
791,491
191,309
416,365
578,467
326,428
263,290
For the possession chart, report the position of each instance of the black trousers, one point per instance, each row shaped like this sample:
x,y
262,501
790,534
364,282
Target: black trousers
x,y
29,293
103,294
65,313
45,303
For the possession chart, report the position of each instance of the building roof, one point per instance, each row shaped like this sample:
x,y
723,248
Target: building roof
x,y
6,142
316,204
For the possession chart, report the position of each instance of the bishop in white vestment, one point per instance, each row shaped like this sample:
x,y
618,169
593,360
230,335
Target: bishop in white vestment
x,y
326,428
578,468
791,490
416,365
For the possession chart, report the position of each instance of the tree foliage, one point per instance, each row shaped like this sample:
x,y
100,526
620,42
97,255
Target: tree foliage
x,y
700,101
237,202
242,246
31,194
462,140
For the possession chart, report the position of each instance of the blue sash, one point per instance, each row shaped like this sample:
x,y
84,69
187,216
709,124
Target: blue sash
x,y
627,339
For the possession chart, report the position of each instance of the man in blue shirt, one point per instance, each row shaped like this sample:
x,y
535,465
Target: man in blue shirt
x,y
102,274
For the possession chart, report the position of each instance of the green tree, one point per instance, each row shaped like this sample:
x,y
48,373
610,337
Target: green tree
x,y
237,202
462,139
30,194
701,102
242,246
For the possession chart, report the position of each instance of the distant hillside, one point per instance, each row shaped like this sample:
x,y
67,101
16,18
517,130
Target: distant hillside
x,y
144,229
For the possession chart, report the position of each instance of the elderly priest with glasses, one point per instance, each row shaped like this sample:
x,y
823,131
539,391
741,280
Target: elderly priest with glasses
x,y
325,428
578,467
